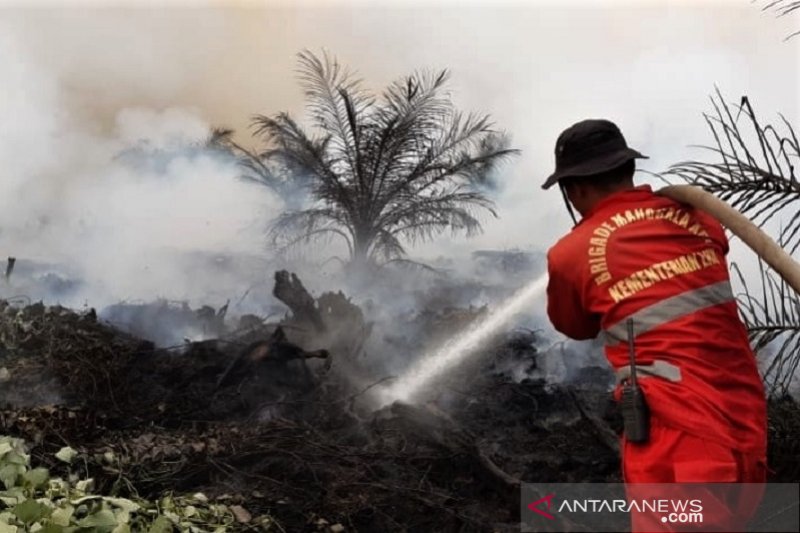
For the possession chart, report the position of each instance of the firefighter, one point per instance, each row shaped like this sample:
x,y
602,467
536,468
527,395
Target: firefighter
x,y
640,257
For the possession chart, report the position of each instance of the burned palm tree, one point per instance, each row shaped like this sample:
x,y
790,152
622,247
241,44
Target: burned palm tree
x,y
381,171
753,169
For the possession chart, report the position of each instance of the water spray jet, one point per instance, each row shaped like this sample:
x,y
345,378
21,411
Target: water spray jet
x,y
408,386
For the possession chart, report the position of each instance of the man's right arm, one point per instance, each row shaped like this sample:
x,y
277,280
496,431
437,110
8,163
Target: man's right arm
x,y
564,304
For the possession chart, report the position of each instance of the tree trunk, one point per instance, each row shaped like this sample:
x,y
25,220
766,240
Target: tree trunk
x,y
290,290
361,246
361,268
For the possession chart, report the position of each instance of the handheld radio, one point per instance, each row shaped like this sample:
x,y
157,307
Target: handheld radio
x,y
635,411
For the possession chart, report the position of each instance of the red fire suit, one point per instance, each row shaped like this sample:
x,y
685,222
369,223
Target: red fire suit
x,y
643,256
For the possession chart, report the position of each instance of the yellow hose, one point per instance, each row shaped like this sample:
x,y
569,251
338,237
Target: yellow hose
x,y
758,241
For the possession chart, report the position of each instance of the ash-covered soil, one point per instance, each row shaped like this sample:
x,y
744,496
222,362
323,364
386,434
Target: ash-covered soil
x,y
263,417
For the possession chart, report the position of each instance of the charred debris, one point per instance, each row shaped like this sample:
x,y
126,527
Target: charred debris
x,y
266,415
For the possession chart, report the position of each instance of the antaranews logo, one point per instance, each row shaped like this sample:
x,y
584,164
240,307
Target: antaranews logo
x,y
665,510
613,507
548,500
670,510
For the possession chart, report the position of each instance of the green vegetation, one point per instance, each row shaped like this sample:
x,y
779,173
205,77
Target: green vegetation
x,y
34,501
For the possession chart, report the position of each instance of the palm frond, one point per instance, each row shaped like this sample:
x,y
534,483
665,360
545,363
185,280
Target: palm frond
x,y
306,226
412,118
465,151
422,217
772,319
755,172
336,102
254,168
782,8
219,137
308,157
411,264
386,246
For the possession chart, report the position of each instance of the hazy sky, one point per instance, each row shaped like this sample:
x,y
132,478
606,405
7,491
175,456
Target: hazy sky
x,y
77,75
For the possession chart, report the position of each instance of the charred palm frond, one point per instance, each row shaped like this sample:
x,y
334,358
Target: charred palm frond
x,y
755,171
382,170
772,319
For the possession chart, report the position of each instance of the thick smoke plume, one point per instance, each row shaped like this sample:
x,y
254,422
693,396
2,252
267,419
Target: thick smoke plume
x,y
140,211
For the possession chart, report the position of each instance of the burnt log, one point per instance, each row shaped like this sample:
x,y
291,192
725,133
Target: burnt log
x,y
290,290
276,352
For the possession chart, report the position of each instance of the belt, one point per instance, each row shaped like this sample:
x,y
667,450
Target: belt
x,y
659,369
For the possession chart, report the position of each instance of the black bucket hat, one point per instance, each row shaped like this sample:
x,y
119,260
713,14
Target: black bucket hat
x,y
590,147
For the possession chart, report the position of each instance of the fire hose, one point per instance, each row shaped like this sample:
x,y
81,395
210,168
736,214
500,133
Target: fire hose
x,y
753,236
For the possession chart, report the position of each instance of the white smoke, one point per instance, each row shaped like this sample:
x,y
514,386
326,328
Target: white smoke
x,y
120,210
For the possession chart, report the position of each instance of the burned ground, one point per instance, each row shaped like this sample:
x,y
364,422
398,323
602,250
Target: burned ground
x,y
291,438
